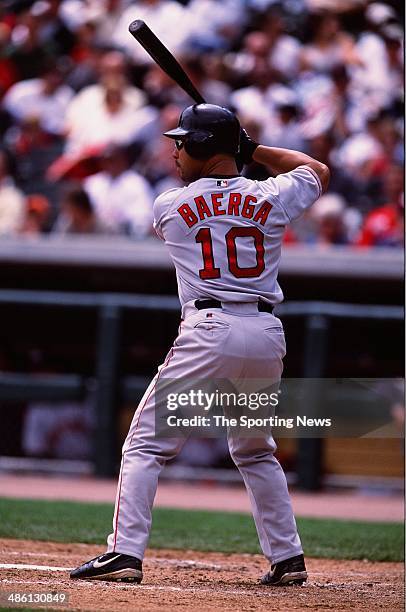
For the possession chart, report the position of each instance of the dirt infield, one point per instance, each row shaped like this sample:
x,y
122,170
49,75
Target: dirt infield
x,y
185,580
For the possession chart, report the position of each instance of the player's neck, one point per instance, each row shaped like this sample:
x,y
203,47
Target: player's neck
x,y
219,165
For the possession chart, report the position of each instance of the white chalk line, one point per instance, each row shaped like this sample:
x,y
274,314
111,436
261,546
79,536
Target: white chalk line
x,y
45,568
181,563
53,568
145,587
17,553
178,562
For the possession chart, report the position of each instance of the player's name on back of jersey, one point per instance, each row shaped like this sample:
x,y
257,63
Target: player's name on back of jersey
x,y
232,204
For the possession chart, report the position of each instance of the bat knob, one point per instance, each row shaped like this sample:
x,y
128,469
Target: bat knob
x,y
136,25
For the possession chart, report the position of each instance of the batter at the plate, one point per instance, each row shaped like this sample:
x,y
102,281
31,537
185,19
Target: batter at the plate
x,y
224,234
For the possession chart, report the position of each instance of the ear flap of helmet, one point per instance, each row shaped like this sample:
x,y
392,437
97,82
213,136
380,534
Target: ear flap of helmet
x,y
200,145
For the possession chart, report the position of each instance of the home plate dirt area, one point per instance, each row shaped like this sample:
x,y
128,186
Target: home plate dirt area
x,y
186,580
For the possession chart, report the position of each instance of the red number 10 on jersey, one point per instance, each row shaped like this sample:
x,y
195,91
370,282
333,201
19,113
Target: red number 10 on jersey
x,y
209,270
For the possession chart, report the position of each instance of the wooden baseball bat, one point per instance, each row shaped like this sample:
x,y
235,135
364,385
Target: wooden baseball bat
x,y
163,58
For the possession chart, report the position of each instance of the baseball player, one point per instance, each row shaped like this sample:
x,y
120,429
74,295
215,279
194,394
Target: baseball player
x,y
224,234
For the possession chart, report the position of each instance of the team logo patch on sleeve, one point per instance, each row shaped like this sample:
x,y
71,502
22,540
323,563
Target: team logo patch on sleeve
x,y
222,183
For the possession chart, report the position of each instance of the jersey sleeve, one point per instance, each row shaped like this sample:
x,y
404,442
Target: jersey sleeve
x,y
161,210
295,191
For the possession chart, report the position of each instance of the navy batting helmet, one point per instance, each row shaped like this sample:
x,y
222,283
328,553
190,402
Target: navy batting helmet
x,y
207,129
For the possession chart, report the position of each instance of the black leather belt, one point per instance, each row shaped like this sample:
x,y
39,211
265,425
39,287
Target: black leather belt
x,y
202,304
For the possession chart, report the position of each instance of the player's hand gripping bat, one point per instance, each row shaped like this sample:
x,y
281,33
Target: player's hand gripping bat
x,y
163,58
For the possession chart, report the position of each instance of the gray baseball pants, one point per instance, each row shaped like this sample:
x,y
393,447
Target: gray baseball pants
x,y
236,342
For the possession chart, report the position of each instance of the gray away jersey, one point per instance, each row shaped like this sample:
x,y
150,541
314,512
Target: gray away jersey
x,y
225,234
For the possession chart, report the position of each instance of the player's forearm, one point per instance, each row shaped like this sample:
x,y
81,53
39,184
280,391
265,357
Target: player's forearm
x,y
280,160
285,160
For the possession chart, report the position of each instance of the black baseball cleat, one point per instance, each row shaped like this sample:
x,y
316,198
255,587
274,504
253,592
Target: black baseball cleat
x,y
110,566
284,573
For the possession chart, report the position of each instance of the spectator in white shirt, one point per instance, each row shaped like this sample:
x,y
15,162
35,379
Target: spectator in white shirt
x,y
329,46
254,102
214,25
284,50
12,201
110,111
45,98
121,197
286,131
378,80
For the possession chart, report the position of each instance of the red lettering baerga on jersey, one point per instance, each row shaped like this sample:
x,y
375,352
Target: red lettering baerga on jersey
x,y
233,208
215,197
234,202
262,214
248,209
187,215
202,208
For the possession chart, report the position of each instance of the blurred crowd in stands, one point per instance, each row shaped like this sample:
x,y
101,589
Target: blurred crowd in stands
x,y
83,107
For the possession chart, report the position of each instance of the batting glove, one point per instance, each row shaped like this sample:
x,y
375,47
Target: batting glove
x,y
247,148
